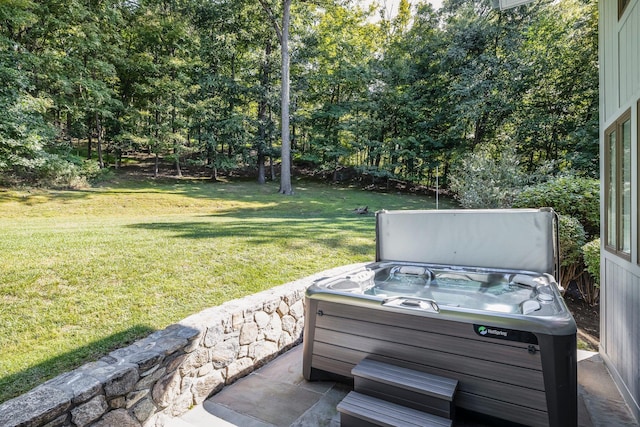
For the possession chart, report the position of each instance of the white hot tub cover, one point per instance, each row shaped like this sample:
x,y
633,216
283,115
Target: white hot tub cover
x,y
519,239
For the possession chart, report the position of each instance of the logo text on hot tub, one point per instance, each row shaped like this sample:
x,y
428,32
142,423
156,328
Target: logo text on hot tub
x,y
483,330
490,332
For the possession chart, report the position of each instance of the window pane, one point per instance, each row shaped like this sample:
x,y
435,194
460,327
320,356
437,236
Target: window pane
x,y
611,191
625,202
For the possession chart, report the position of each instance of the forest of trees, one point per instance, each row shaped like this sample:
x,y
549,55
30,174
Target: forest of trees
x,y
498,107
197,83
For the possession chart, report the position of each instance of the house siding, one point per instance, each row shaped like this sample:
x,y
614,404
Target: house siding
x,y
620,340
629,54
620,278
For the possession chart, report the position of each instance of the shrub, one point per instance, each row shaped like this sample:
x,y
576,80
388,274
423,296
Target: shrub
x,y
589,287
568,195
54,171
591,254
67,171
571,237
486,180
24,135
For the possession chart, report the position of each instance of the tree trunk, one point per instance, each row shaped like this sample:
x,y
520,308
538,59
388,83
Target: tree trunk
x,y
283,36
261,169
99,142
210,153
156,168
176,153
293,135
272,167
89,153
285,172
178,170
176,146
68,126
262,116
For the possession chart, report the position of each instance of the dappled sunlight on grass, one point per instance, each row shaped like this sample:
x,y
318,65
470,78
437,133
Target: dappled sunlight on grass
x,y
80,267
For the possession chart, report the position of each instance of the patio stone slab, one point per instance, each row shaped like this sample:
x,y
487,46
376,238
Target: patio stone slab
x,y
288,370
277,395
212,415
226,417
603,401
263,398
323,413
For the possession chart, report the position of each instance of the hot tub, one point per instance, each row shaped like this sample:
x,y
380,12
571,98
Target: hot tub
x,y
503,332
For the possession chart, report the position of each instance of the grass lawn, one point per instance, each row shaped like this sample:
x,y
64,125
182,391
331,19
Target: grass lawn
x,y
84,272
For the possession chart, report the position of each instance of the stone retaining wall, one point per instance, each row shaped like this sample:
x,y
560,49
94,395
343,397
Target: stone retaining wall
x,y
171,370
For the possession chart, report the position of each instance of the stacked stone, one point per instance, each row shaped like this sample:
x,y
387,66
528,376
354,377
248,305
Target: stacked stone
x,y
124,388
168,372
237,338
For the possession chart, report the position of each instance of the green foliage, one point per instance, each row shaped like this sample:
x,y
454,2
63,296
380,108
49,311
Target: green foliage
x,y
591,255
571,238
569,195
25,147
557,120
588,282
27,152
57,172
407,94
577,201
487,180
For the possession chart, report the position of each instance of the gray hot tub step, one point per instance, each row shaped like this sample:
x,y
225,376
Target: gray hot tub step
x,y
418,390
359,410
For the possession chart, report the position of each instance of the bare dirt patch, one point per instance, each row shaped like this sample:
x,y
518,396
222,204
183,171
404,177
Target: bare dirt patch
x,y
587,318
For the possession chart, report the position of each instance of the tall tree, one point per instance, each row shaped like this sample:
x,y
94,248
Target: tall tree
x,y
397,97
282,31
335,72
556,120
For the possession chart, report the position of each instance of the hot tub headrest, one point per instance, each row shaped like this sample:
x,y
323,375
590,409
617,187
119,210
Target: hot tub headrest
x,y
518,239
